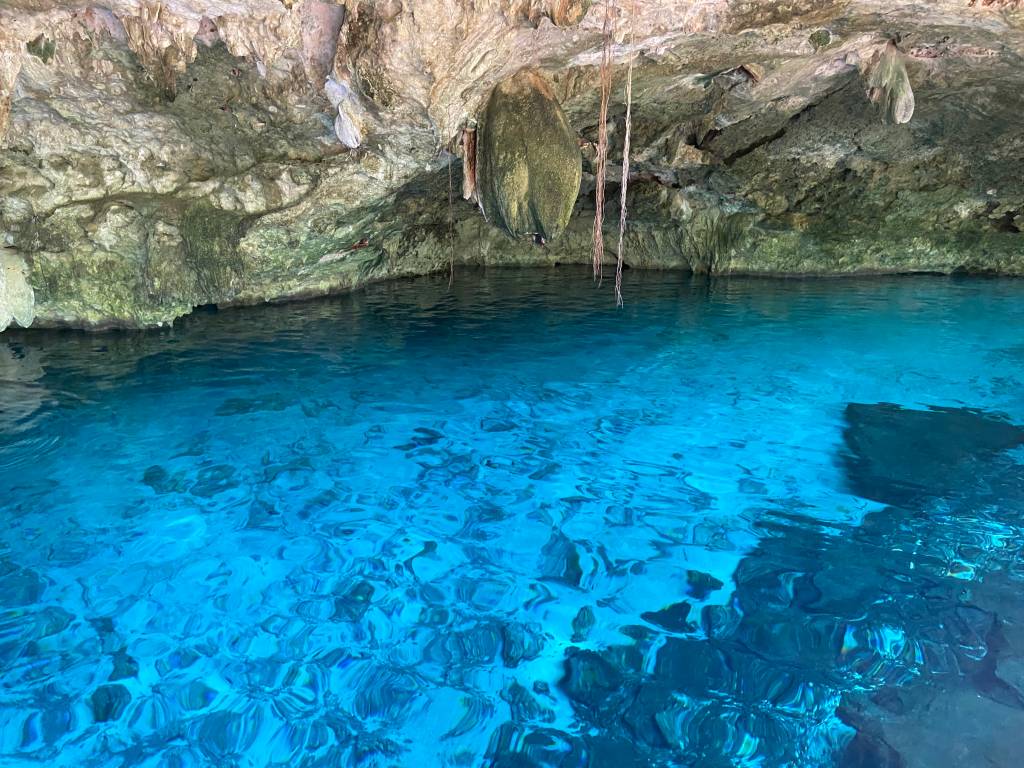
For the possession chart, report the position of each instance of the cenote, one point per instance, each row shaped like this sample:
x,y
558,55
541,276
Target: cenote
x,y
735,523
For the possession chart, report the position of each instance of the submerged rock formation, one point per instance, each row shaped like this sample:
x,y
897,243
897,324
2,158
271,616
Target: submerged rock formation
x,y
155,156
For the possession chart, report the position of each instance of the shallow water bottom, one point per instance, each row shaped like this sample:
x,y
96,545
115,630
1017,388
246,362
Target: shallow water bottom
x,y
745,523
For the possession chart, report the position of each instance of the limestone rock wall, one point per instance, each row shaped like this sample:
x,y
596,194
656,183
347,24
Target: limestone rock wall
x,y
156,156
528,159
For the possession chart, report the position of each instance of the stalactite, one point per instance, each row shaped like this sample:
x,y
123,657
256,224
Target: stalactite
x,y
625,158
469,163
889,85
319,29
529,165
602,136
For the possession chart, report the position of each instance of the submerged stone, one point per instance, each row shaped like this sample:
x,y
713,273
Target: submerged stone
x,y
529,165
673,618
520,746
518,644
157,478
699,584
589,679
354,604
523,706
560,560
236,406
125,666
214,480
582,624
19,586
900,456
109,702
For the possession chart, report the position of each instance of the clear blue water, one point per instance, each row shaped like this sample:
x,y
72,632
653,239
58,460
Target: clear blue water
x,y
507,525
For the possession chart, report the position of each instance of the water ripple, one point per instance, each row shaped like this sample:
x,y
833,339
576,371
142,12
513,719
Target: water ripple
x,y
755,523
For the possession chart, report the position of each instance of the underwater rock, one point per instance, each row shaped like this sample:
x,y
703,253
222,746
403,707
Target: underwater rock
x,y
223,735
124,665
673,618
19,586
700,585
900,456
589,679
17,300
524,706
868,748
109,702
386,694
518,644
214,480
520,746
161,481
157,478
582,624
938,724
560,560
236,406
353,605
529,164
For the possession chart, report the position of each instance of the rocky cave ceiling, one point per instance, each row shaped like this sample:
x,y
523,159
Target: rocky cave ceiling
x,y
156,156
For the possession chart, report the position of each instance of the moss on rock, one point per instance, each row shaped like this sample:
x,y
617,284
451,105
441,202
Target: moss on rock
x,y
528,159
42,48
210,239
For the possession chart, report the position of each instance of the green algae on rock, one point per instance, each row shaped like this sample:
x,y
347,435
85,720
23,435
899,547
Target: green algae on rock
x,y
210,239
42,48
529,165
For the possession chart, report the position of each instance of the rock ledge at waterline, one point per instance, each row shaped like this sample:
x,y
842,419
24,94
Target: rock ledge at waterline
x,y
159,156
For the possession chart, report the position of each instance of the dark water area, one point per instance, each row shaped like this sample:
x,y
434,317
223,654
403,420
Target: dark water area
x,y
752,523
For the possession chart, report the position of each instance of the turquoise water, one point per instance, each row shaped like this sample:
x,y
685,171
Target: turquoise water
x,y
754,523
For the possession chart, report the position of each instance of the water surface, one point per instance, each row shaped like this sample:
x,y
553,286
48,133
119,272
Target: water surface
x,y
756,523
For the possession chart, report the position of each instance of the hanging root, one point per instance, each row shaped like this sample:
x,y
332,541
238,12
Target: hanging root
x,y
602,136
451,226
625,160
451,200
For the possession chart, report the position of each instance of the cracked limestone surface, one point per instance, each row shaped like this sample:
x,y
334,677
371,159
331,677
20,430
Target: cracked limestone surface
x,y
157,156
